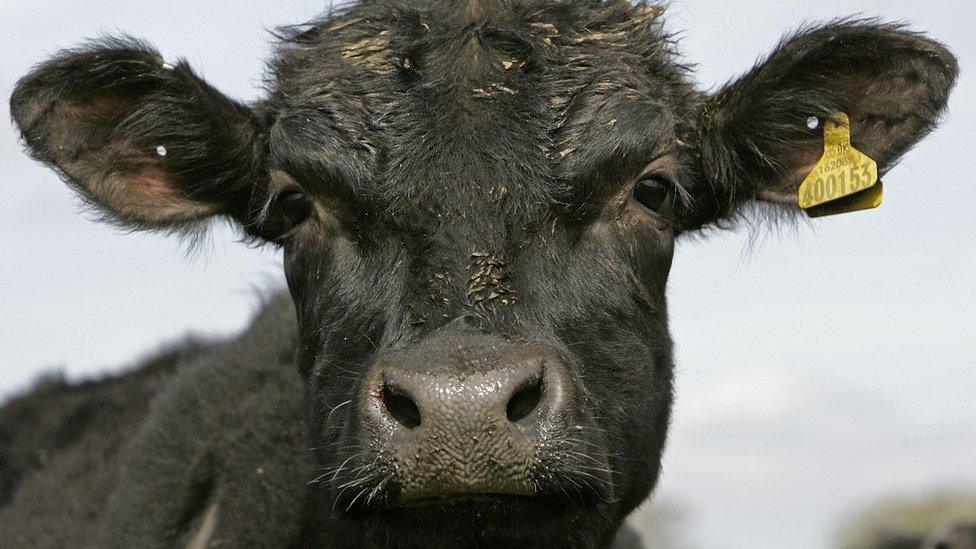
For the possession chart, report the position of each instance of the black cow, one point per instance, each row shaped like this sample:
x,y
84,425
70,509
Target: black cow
x,y
477,202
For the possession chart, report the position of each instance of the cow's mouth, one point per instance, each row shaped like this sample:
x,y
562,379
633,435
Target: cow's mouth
x,y
499,507
543,485
487,499
563,493
478,519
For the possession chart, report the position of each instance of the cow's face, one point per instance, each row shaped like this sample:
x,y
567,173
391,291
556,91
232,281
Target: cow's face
x,y
477,206
480,266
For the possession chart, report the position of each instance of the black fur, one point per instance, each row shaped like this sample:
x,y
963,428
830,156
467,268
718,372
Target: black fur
x,y
134,460
59,448
468,168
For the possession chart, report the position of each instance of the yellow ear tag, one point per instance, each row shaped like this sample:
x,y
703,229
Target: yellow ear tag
x,y
845,179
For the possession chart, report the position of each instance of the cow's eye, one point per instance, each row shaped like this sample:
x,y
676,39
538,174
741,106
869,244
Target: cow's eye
x,y
653,192
294,206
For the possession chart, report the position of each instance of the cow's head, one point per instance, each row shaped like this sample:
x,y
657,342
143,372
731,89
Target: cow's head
x,y
477,204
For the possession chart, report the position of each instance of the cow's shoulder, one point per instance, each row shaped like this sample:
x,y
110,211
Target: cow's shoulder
x,y
116,459
221,454
60,443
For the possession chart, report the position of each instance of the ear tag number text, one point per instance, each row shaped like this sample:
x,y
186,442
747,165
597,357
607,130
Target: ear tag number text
x,y
845,179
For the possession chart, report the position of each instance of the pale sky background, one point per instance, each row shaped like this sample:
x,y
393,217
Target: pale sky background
x,y
816,369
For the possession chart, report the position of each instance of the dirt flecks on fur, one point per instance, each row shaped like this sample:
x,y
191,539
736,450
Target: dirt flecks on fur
x,y
489,280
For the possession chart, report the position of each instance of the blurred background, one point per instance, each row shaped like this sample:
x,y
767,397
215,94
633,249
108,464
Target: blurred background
x,y
826,375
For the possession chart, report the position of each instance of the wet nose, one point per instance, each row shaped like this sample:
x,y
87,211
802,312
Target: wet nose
x,y
509,394
467,420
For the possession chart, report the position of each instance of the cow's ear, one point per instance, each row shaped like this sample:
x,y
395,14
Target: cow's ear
x,y
150,144
754,138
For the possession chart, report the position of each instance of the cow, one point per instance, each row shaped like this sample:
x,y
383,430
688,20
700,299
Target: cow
x,y
477,203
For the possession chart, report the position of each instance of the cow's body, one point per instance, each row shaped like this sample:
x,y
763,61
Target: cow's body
x,y
478,202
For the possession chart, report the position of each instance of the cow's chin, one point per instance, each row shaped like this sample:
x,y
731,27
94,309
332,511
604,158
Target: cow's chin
x,y
483,520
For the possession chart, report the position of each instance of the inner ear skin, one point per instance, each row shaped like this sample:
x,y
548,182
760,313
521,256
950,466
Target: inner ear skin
x,y
892,83
751,141
100,114
108,167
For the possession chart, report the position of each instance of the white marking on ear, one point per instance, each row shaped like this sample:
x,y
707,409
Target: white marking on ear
x,y
161,150
168,67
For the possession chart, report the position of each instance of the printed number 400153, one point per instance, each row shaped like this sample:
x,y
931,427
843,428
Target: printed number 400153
x,y
836,185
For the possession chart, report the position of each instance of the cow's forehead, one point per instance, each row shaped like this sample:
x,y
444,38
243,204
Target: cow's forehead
x,y
452,105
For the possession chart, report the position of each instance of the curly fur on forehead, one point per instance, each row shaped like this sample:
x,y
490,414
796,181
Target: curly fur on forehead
x,y
552,84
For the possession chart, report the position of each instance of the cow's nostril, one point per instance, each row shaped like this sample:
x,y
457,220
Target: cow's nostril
x,y
401,408
524,401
